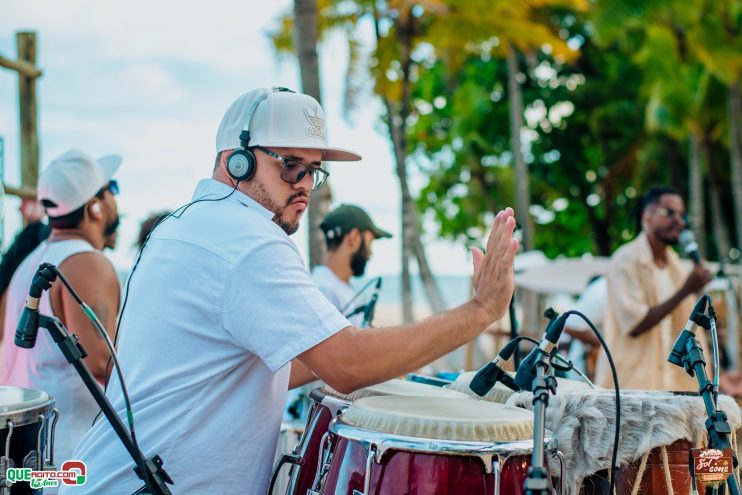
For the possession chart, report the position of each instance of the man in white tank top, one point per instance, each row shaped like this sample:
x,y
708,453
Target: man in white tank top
x,y
77,193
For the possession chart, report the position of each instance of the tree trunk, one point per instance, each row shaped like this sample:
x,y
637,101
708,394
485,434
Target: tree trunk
x,y
305,37
522,189
695,191
408,210
411,243
735,152
27,112
718,221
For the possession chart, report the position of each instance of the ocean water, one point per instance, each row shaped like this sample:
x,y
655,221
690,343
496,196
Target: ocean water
x,y
454,289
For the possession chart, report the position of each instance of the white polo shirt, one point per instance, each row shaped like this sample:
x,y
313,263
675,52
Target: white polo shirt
x,y
220,303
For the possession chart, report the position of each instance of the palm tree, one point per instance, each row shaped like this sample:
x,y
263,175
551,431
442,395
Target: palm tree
x,y
305,35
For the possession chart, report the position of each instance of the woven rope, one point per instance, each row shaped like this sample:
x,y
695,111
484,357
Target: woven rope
x,y
668,475
640,474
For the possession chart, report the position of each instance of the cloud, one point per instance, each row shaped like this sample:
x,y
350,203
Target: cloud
x,y
151,80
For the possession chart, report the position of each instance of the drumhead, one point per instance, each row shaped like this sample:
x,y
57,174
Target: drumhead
x,y
441,418
23,405
500,393
397,387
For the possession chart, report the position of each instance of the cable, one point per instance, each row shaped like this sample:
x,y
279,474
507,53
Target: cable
x,y
175,214
614,456
112,355
357,294
715,348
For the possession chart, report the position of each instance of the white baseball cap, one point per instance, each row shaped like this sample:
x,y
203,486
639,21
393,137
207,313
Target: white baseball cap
x,y
72,180
278,118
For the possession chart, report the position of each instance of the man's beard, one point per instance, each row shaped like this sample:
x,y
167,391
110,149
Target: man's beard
x,y
112,226
359,259
259,194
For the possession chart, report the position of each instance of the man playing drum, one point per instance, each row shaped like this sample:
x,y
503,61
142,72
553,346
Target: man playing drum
x,y
223,316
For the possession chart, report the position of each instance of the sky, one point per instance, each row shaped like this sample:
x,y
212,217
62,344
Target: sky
x,y
151,80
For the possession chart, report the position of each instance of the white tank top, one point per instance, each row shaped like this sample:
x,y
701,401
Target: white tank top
x,y
44,367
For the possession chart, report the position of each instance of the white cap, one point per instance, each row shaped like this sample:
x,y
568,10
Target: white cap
x,y
278,118
73,179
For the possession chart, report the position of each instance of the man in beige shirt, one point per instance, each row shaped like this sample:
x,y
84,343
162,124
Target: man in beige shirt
x,y
650,298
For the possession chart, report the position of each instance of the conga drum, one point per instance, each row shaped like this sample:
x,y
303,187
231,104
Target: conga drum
x,y
326,404
500,393
658,429
27,422
428,445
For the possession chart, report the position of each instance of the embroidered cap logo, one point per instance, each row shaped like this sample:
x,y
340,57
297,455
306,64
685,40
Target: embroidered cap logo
x,y
316,121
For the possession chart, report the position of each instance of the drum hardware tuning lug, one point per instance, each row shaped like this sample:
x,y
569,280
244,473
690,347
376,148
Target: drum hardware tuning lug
x,y
35,458
496,471
6,462
370,458
562,481
49,459
325,459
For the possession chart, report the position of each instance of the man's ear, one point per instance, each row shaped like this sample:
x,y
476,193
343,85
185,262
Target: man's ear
x,y
94,209
353,238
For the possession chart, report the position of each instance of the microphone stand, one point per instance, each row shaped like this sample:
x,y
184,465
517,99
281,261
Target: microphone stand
x,y
688,353
514,329
537,482
154,476
368,311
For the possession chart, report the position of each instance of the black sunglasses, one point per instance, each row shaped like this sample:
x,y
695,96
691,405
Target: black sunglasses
x,y
293,171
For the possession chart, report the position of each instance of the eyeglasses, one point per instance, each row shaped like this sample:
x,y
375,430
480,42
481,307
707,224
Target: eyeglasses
x,y
293,171
670,213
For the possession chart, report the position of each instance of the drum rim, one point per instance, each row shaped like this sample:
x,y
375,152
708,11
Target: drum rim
x,y
27,415
388,441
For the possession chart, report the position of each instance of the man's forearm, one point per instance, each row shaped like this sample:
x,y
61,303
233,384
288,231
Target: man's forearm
x,y
657,313
374,355
300,374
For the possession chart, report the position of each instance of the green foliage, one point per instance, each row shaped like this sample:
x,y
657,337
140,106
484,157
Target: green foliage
x,y
612,89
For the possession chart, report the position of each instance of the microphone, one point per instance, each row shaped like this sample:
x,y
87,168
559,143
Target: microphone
x,y
492,373
697,317
368,310
28,324
690,246
527,370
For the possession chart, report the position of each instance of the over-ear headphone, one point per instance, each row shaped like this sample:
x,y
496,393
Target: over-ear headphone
x,y
95,208
241,163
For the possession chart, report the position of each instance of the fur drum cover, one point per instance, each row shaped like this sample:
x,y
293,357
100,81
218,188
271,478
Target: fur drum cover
x,y
583,423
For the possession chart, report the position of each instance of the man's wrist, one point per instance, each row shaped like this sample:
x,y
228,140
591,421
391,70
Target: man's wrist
x,y
482,314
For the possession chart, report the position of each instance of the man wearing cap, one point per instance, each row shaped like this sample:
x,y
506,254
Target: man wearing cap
x,y
349,232
77,193
223,317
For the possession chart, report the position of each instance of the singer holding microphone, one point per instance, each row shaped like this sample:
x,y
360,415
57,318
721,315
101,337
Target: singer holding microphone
x,y
349,233
650,298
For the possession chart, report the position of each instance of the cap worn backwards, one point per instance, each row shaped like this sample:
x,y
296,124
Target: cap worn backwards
x,y
72,180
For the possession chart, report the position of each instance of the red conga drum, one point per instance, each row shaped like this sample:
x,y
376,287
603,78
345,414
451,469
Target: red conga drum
x,y
424,445
326,404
